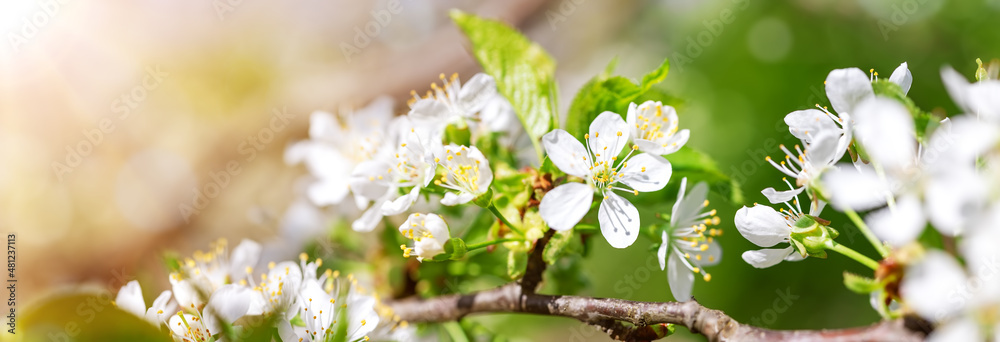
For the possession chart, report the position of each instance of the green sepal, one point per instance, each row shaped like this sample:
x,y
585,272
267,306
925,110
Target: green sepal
x,y
860,284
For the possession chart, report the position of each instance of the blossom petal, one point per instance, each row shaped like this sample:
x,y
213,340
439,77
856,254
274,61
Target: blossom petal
x,y
246,254
711,256
857,188
608,136
957,86
130,299
687,210
323,126
984,100
661,253
451,198
567,153
954,198
368,179
964,329
227,304
476,92
775,196
885,128
362,309
806,123
564,207
430,110
185,293
646,172
846,88
680,278
762,225
370,218
958,143
619,220
764,258
902,77
327,191
160,311
930,286
401,203
900,225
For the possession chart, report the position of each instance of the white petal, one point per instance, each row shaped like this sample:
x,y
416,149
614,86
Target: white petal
x,y
963,329
365,179
902,77
857,188
323,126
361,308
297,152
885,128
900,226
846,88
608,136
228,304
984,100
710,257
931,285
567,153
979,248
431,111
476,92
762,225
286,332
680,278
823,150
401,203
686,211
370,218
246,254
809,122
646,172
185,293
179,329
954,198
619,220
130,299
674,144
959,142
451,198
160,311
775,196
326,192
957,86
764,258
661,253
564,207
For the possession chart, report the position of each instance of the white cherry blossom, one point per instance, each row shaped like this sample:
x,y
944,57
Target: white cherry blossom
x,y
688,245
466,171
429,233
598,164
130,300
654,128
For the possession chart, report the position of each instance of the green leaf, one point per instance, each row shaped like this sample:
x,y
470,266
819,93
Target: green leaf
x,y
84,316
559,244
517,261
524,72
610,93
697,167
860,284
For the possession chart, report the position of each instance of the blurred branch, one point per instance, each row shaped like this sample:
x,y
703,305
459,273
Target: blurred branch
x,y
613,316
536,264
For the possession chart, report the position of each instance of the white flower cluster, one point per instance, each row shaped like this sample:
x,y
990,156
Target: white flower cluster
x,y
215,295
906,177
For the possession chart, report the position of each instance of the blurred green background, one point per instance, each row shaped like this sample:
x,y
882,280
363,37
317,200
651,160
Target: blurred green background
x,y
739,67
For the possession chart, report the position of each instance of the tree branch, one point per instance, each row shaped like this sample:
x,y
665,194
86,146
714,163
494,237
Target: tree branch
x,y
611,315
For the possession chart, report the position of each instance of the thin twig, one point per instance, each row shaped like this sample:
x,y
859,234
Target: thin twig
x,y
610,314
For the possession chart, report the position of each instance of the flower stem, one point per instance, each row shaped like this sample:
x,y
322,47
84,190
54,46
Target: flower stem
x,y
493,209
489,243
850,253
863,227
